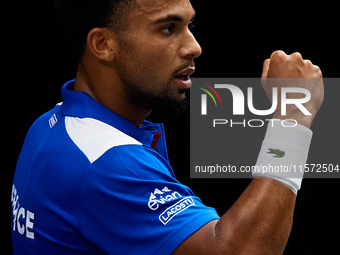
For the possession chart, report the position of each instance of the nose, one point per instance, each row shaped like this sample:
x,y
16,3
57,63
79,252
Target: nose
x,y
191,48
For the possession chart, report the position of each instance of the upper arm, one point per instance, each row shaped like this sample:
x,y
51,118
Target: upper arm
x,y
203,241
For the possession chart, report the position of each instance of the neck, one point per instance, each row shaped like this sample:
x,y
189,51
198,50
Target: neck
x,y
109,93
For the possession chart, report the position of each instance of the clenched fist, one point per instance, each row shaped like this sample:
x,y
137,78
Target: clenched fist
x,y
293,71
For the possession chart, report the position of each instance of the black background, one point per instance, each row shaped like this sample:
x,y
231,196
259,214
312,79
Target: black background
x,y
235,37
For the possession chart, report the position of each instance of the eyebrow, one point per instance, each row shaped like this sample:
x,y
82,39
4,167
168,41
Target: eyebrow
x,y
172,17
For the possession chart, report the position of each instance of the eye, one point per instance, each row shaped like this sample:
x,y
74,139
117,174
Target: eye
x,y
192,24
169,29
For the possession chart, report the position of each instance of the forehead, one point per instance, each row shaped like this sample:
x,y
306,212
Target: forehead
x,y
154,9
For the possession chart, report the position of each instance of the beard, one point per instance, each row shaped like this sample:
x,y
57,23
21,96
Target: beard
x,y
165,103
149,90
166,106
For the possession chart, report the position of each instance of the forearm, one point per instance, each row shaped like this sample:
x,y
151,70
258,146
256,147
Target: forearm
x,y
260,221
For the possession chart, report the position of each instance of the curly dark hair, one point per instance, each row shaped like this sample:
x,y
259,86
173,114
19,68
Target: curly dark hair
x,y
80,16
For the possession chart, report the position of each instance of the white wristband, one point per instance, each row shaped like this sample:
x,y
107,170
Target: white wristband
x,y
284,153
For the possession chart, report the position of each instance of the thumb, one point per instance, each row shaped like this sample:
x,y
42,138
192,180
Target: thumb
x,y
265,69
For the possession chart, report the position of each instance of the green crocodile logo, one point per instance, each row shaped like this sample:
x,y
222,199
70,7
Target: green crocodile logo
x,y
278,153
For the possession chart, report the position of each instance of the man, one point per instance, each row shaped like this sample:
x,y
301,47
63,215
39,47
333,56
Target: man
x,y
93,176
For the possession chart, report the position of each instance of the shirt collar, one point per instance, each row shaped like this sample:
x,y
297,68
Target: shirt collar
x,y
80,104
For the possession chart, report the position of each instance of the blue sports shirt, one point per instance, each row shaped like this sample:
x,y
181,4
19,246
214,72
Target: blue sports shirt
x,y
88,181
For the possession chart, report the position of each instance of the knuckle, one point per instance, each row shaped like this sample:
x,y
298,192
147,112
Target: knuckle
x,y
308,62
278,55
315,71
314,68
296,55
318,71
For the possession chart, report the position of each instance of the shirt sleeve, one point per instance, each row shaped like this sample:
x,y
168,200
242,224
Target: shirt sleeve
x,y
131,204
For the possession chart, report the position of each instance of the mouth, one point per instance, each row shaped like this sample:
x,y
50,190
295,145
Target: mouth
x,y
183,78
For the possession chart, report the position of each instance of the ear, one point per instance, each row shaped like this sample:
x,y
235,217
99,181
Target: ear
x,y
102,43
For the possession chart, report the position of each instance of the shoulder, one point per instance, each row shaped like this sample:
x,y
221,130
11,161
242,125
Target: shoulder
x,y
94,137
106,147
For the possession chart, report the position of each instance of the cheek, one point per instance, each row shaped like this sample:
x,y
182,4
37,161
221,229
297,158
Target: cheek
x,y
149,63
157,59
139,70
156,53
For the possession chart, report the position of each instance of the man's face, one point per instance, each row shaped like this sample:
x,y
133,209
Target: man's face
x,y
156,53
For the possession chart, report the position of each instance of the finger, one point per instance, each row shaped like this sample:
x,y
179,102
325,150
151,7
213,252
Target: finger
x,y
308,62
281,53
316,69
296,55
265,69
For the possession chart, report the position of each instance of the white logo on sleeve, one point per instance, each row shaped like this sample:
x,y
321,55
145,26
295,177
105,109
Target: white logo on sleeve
x,y
19,214
160,197
53,120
